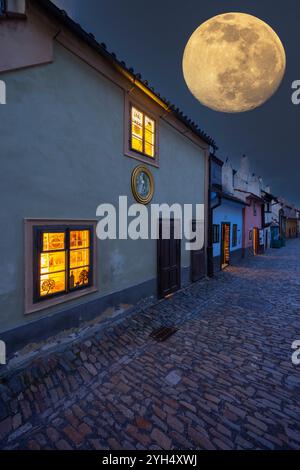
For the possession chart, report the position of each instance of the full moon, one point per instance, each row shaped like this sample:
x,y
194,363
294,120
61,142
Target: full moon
x,y
233,62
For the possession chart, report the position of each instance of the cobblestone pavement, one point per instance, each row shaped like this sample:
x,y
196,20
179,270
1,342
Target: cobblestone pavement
x,y
225,380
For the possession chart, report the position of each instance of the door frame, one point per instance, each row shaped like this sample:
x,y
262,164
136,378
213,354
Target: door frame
x,y
222,244
160,291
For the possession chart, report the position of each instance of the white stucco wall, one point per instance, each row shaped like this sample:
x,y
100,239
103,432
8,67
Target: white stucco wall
x,y
62,155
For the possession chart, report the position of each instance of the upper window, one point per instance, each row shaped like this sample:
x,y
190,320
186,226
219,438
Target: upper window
x,y
142,133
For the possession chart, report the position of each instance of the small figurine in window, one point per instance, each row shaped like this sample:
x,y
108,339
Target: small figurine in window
x,y
72,280
84,276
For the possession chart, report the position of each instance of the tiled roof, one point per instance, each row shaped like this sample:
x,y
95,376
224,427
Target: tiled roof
x,y
89,38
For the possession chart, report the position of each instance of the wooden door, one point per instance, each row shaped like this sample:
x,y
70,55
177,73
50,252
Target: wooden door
x,y
168,262
225,245
197,261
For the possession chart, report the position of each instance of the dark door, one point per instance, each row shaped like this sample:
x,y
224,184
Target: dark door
x,y
168,262
225,246
197,261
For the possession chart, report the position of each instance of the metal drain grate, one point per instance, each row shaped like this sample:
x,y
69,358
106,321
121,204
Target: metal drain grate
x,y
163,333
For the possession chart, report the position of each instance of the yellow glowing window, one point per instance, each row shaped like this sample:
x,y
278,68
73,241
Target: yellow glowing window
x,y
142,132
63,261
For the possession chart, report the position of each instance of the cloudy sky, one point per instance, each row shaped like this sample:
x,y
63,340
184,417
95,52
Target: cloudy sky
x,y
151,36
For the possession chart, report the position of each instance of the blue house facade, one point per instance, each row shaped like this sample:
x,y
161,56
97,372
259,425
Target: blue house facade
x,y
227,231
227,216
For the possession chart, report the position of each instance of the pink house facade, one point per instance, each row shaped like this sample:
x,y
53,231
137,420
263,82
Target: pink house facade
x,y
249,186
253,240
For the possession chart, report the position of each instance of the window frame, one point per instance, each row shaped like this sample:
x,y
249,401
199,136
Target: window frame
x,y
216,234
34,229
147,110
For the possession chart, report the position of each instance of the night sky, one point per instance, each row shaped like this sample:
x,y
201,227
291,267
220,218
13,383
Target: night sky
x,y
151,37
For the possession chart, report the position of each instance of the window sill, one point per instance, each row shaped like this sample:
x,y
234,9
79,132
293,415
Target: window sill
x,y
43,305
142,158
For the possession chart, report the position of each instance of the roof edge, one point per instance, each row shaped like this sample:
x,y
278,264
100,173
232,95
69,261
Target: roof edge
x,y
89,38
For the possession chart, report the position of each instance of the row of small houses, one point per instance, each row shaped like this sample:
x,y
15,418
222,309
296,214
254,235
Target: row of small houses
x,y
247,219
80,128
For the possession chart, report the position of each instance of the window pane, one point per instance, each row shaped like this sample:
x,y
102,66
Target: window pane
x,y
53,241
149,124
52,283
137,131
79,239
137,144
79,258
79,277
149,149
53,262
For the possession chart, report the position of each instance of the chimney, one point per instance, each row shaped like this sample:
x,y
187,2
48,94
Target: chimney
x,y
244,166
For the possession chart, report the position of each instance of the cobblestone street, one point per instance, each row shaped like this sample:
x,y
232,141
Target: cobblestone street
x,y
224,380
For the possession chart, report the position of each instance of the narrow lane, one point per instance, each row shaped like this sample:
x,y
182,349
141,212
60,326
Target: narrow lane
x,y
224,380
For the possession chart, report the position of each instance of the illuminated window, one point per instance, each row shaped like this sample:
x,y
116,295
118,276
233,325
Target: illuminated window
x,y
62,261
142,133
